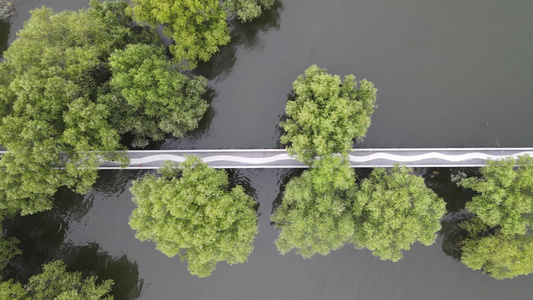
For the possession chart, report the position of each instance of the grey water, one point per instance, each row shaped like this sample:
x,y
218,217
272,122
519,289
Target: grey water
x,y
449,74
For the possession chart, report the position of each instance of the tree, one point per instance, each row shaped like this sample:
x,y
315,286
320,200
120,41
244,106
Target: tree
x,y
11,290
246,10
55,282
394,210
191,212
506,194
61,114
326,114
314,216
500,242
8,249
197,27
496,254
46,116
151,97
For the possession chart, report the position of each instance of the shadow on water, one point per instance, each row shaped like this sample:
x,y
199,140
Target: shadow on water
x,y
90,261
283,180
452,234
242,35
4,36
42,239
237,178
282,118
440,181
114,182
443,182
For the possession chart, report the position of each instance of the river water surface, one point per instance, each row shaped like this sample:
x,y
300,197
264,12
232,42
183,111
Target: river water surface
x,y
449,74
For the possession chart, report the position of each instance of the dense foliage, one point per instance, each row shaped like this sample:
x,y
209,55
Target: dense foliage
x,y
327,114
198,27
246,10
394,210
152,98
499,255
59,116
500,239
315,216
505,194
56,283
8,249
191,211
323,209
45,90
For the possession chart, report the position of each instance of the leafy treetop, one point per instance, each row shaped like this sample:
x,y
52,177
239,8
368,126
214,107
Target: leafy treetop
x,y
326,114
506,194
500,241
394,210
56,283
315,216
198,28
246,10
151,97
498,255
191,211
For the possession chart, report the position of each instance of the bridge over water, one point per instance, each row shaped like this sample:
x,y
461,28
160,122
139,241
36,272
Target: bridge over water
x,y
359,158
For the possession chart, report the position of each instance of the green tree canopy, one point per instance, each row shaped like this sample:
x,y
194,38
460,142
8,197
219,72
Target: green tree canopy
x,y
56,283
151,97
394,210
500,241
327,114
11,290
505,194
198,27
46,87
315,216
59,115
191,211
498,255
8,249
246,10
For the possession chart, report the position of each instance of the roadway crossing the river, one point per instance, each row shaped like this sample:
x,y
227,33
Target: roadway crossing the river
x,y
359,158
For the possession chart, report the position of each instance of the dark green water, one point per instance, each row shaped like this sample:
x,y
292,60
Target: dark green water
x,y
443,70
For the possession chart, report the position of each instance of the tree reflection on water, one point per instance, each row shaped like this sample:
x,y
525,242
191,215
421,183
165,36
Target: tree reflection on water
x,y
42,239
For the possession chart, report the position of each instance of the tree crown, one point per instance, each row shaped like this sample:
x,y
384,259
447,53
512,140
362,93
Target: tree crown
x,y
326,114
393,210
191,211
